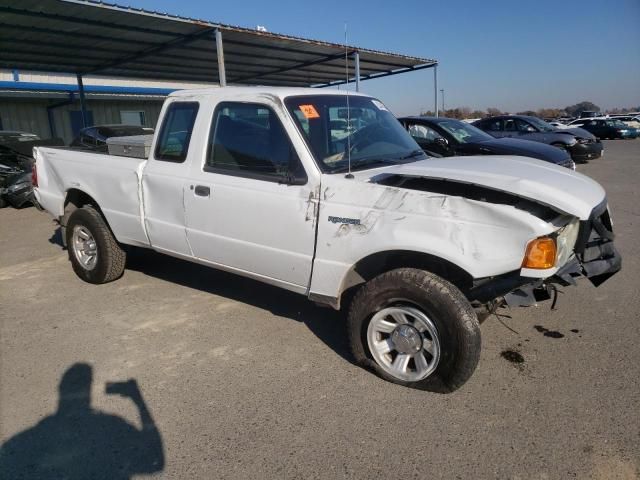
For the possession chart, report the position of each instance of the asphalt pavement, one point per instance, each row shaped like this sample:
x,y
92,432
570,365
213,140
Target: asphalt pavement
x,y
236,379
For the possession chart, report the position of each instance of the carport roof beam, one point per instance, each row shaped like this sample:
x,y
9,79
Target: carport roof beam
x,y
88,37
222,73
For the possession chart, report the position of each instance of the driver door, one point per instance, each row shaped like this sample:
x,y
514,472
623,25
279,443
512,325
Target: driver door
x,y
249,204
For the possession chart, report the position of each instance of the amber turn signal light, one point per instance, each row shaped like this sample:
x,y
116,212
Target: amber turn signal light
x,y
540,254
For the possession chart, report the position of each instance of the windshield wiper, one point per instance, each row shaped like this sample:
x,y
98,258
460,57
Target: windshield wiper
x,y
365,163
413,154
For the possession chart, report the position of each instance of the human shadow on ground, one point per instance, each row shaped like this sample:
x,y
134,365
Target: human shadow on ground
x,y
56,238
78,442
326,323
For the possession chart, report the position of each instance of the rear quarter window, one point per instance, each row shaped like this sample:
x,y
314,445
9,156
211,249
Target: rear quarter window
x,y
176,130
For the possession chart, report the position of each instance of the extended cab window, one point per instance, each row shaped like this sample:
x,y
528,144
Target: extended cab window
x,y
248,139
175,133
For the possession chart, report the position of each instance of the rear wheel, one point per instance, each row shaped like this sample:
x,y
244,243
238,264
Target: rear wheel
x,y
94,253
414,328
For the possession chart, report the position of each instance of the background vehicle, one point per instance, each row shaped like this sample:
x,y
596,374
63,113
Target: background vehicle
x,y
582,145
15,166
95,138
629,120
252,180
446,137
607,128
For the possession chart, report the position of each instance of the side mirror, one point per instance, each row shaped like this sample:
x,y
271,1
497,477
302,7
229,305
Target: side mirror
x,y
294,173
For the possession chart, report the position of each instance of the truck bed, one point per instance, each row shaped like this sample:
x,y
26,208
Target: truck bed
x,y
112,181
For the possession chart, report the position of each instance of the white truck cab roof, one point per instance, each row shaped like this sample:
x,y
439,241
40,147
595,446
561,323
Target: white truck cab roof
x,y
280,92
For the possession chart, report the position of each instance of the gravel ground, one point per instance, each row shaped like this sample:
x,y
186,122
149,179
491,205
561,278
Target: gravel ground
x,y
242,380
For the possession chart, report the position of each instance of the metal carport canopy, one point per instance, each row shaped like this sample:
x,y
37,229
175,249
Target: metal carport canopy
x,y
87,37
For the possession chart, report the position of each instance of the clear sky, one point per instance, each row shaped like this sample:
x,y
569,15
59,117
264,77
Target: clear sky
x,y
499,53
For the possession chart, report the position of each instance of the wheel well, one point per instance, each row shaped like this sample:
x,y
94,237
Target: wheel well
x,y
381,262
77,199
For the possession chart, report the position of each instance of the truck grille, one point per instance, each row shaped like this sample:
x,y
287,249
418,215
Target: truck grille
x,y
594,246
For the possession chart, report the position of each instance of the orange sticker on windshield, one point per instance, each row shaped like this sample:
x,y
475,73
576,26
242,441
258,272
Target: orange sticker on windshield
x,y
309,111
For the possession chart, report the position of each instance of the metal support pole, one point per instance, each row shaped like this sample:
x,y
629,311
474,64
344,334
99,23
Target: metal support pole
x,y
435,88
357,62
83,107
221,71
442,93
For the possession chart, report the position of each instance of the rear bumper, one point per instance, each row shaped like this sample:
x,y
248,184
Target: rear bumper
x,y
595,257
17,195
582,152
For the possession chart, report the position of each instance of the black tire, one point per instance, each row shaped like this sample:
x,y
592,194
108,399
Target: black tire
x,y
110,258
451,313
3,203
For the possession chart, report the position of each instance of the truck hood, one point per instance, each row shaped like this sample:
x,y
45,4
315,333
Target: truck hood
x,y
557,187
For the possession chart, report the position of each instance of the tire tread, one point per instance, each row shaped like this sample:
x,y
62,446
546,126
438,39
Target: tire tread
x,y
469,340
112,253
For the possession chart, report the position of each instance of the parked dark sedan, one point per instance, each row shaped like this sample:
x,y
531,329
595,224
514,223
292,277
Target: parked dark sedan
x,y
445,137
95,138
15,166
582,145
608,128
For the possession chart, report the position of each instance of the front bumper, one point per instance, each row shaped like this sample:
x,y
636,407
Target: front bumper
x,y
630,133
595,257
581,152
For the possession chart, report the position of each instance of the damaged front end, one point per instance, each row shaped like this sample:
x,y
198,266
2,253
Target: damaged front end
x,y
594,257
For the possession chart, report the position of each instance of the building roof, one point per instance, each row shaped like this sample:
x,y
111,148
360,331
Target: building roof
x,y
88,37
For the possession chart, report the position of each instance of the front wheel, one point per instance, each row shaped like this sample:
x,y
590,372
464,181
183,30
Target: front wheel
x,y
94,253
414,328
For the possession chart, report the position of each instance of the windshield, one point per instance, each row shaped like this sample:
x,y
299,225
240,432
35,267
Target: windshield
x,y
366,130
464,132
541,124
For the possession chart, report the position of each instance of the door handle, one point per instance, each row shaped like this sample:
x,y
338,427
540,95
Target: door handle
x,y
202,191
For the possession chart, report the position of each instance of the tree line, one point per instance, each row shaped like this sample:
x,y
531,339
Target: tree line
x,y
569,111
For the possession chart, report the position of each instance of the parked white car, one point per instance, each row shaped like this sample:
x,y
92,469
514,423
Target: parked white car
x,y
629,120
252,181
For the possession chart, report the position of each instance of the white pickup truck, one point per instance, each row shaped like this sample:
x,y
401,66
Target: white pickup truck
x,y
325,194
